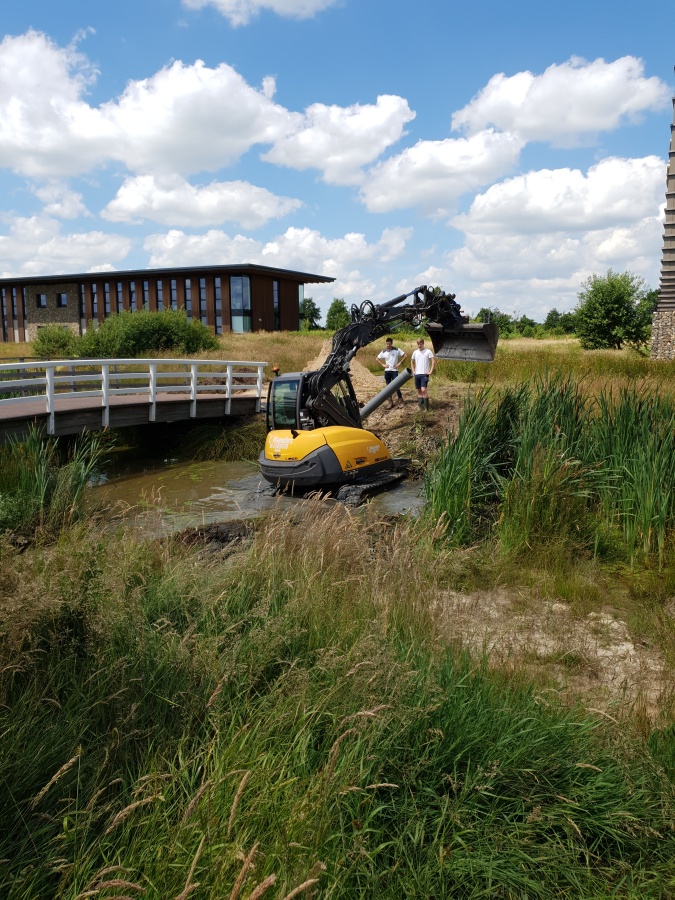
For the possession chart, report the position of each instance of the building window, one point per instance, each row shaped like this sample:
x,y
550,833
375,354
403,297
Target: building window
x,y
41,301
15,313
218,304
106,298
275,304
146,295
3,315
188,297
202,300
62,300
94,301
159,293
118,297
132,295
240,303
174,294
80,292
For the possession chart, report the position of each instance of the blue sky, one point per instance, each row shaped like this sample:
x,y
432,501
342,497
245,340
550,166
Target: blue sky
x,y
503,151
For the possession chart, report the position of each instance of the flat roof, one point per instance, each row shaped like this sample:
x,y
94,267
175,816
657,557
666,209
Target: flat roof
x,y
243,269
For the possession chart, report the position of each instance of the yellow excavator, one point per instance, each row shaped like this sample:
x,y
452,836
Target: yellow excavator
x,y
316,438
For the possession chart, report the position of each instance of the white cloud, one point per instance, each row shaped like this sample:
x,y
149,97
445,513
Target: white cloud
x,y
60,201
240,12
170,200
36,246
190,118
566,102
341,140
613,192
432,175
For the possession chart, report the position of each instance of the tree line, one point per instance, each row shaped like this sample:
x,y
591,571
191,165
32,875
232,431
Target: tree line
x,y
613,310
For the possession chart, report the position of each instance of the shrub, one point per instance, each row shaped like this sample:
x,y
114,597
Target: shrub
x,y
129,334
55,342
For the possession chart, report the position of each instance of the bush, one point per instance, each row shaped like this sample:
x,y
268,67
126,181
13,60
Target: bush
x,y
129,334
55,342
338,315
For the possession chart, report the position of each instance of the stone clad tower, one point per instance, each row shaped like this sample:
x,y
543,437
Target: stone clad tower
x,y
663,323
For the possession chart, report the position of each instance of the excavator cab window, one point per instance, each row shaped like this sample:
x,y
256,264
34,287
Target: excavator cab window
x,y
282,403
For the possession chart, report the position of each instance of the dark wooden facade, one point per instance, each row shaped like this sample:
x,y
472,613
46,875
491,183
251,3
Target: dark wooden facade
x,y
74,301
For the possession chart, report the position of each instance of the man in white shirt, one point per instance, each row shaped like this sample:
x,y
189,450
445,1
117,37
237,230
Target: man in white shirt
x,y
423,362
391,358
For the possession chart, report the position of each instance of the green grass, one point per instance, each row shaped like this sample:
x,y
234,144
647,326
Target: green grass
x,y
546,462
42,484
167,718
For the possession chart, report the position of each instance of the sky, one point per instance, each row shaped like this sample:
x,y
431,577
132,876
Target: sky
x,y
504,151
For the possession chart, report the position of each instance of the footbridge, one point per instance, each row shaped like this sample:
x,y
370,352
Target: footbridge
x,y
70,396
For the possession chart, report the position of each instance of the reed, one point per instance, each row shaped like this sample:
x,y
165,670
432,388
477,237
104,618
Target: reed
x,y
345,749
42,485
548,462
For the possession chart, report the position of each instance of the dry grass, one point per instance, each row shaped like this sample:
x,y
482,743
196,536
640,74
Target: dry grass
x,y
11,351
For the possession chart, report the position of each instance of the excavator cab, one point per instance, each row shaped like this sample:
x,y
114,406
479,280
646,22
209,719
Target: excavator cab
x,y
468,341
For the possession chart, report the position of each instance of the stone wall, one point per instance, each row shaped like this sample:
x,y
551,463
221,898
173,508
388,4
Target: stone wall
x,y
663,334
51,314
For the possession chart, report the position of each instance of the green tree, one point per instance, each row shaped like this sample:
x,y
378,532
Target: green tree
x,y
503,321
613,310
338,315
560,323
310,315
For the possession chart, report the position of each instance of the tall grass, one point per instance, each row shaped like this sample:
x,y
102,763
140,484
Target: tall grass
x,y
286,718
558,465
42,487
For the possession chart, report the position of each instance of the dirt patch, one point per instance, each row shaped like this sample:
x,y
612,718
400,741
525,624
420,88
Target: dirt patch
x,y
591,657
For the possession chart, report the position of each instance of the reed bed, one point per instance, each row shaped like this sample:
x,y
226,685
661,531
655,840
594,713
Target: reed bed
x,y
545,462
285,722
42,485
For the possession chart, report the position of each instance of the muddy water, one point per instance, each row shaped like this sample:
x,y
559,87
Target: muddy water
x,y
162,496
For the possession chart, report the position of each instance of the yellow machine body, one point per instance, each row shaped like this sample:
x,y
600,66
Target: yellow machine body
x,y
323,456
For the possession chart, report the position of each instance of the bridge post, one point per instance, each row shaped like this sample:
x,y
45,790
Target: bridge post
x,y
228,390
49,392
105,394
153,391
193,390
259,385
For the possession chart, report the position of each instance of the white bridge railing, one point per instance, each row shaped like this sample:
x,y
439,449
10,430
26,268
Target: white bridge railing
x,y
67,379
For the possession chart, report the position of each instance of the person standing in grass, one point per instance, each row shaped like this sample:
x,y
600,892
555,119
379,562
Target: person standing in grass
x,y
391,358
423,362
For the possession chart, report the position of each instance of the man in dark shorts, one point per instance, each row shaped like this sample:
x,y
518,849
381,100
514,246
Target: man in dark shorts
x,y
391,358
423,362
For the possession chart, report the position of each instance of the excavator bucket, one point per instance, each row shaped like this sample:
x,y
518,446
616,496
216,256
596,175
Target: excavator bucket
x,y
472,341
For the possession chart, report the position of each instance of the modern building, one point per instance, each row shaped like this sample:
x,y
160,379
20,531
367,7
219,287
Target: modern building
x,y
663,322
225,298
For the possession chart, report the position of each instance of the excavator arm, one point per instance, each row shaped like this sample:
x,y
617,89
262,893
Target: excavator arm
x,y
452,337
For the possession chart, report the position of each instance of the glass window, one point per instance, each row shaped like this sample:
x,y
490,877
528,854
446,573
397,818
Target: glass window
x,y
275,303
160,295
188,297
118,297
94,301
3,315
218,304
146,295
106,298
284,403
132,295
174,294
202,300
62,300
15,313
240,303
41,301
80,293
